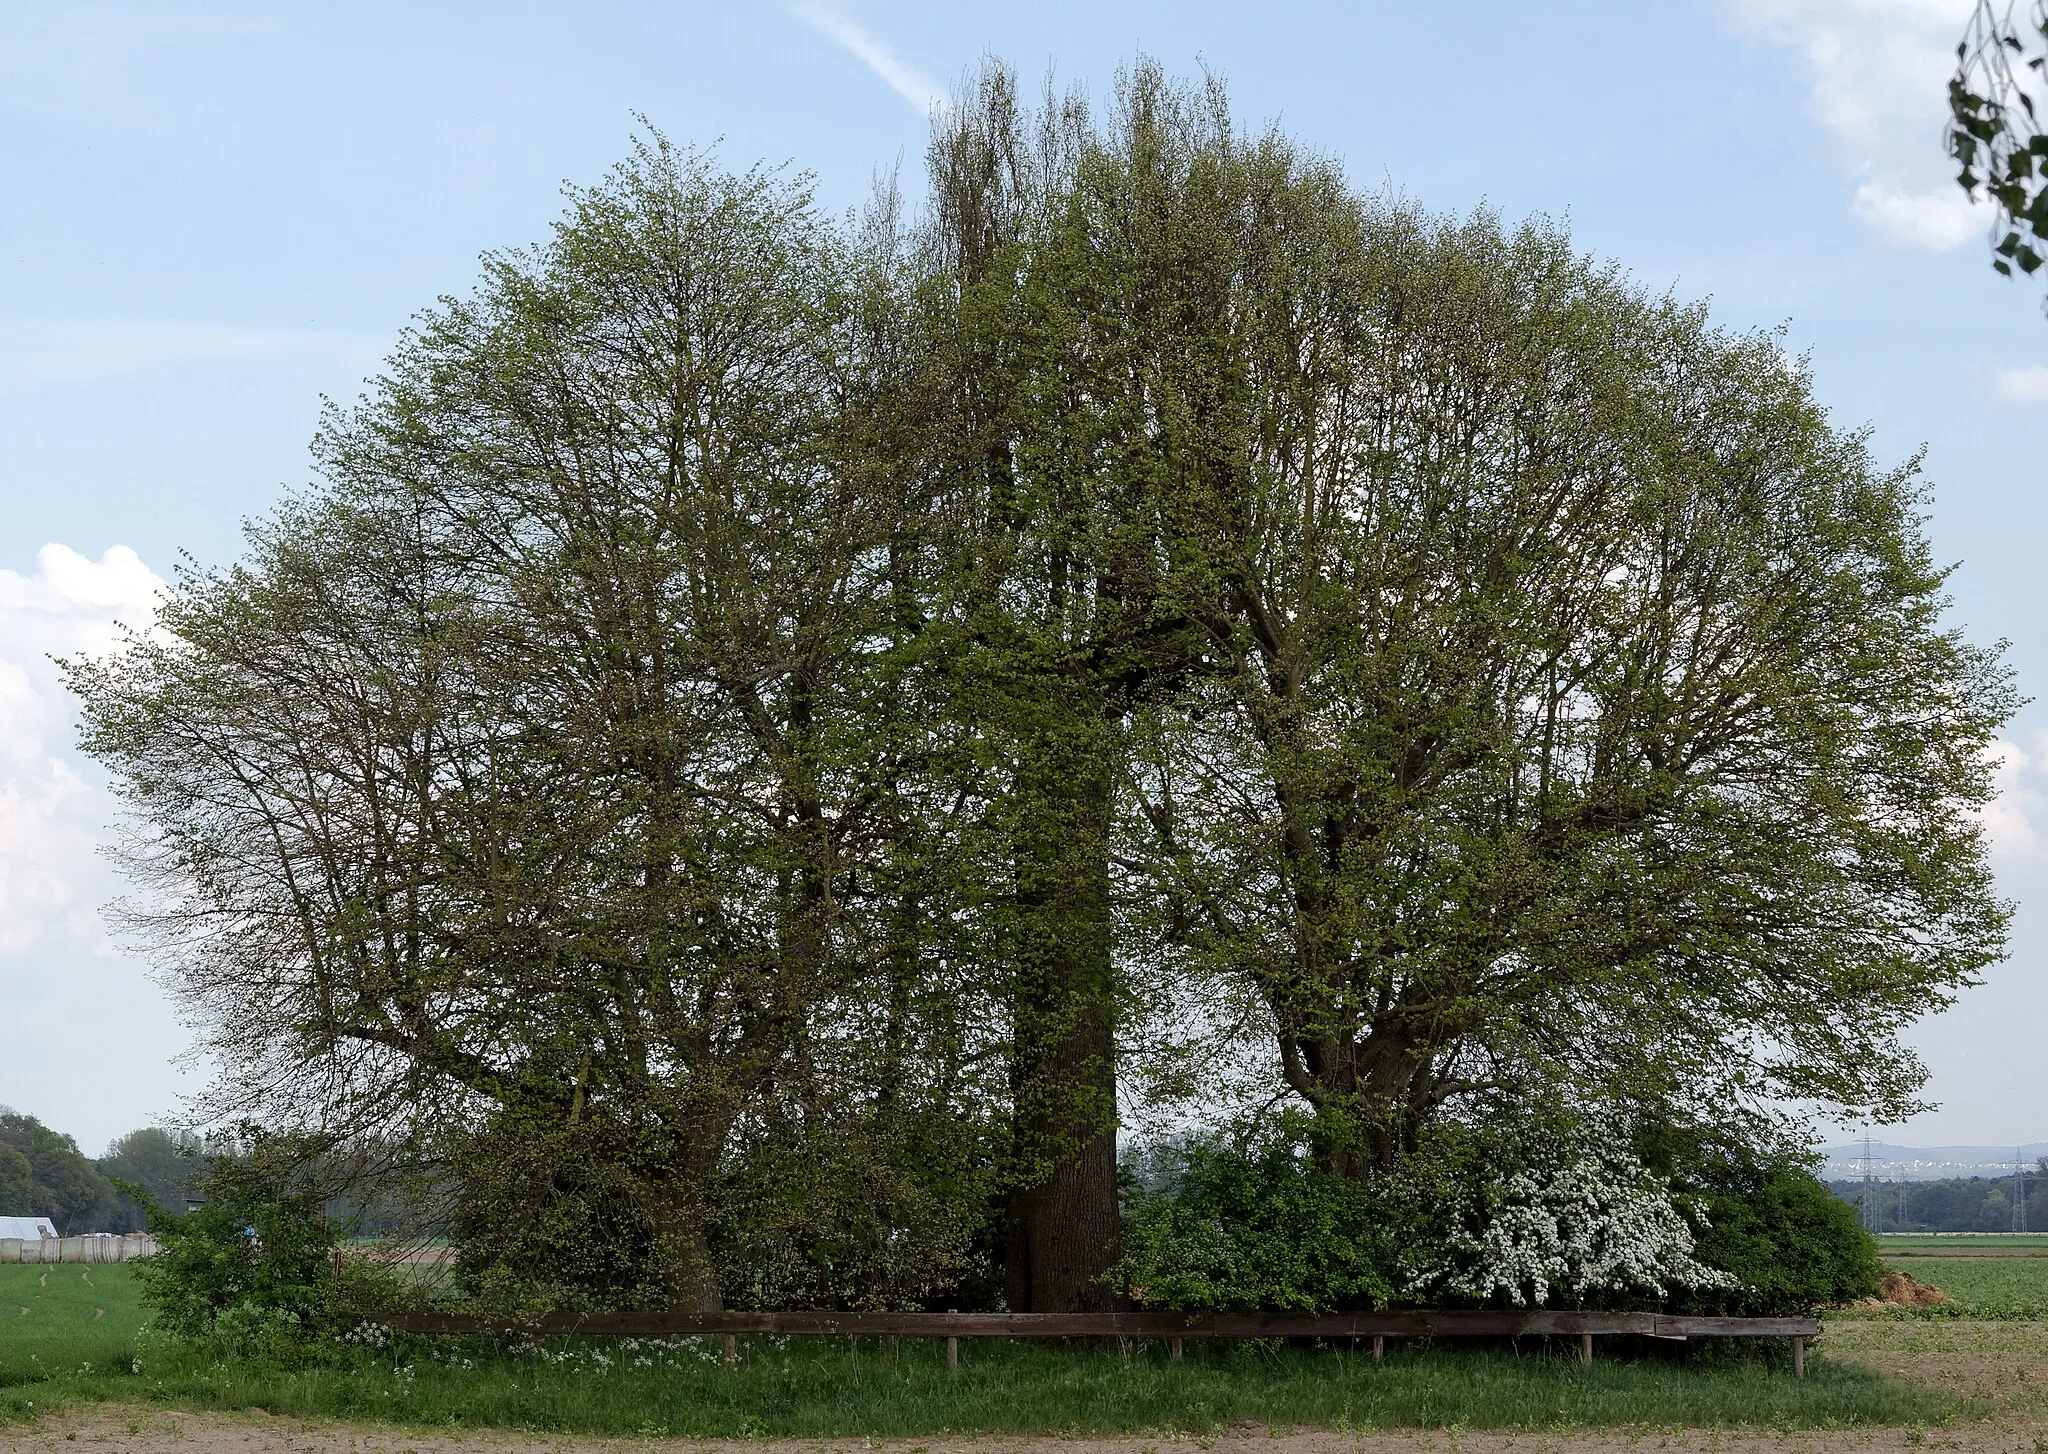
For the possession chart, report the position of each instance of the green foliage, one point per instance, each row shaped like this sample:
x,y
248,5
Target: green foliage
x,y
1790,1243
17,1183
1520,1206
588,642
46,1176
881,1207
1252,1225
161,1163
1948,1204
1460,796
781,693
543,1220
1995,132
252,1264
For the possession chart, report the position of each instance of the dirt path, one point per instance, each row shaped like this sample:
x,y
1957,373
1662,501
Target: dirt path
x,y
2003,1367
160,1433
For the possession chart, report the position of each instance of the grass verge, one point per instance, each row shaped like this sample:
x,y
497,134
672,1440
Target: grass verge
x,y
61,1353
1998,1370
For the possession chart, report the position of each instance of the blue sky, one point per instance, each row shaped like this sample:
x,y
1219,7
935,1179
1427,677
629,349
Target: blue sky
x,y
212,215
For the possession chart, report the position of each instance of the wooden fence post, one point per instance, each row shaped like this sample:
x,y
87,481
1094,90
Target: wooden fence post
x,y
952,1355
1798,1356
732,1348
1173,1349
1379,1346
1585,1347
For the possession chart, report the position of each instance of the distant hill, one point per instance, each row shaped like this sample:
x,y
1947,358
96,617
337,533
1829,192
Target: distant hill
x,y
1926,1163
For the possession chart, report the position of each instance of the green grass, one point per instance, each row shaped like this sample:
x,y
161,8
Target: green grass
x,y
76,1318
1962,1244
1996,1288
827,1388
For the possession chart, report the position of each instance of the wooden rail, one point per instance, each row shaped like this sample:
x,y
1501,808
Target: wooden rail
x,y
1174,1327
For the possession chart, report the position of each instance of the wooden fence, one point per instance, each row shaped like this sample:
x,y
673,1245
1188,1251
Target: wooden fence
x,y
1172,1327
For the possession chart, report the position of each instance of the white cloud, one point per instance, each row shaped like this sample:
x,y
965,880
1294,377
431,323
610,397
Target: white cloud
x,y
1879,71
52,880
2025,386
1937,219
38,352
2016,821
906,80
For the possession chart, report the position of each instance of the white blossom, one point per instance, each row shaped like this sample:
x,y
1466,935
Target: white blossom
x,y
1594,1221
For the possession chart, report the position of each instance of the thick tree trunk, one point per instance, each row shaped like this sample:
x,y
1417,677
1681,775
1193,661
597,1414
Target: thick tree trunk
x,y
1064,1216
675,1198
1063,1234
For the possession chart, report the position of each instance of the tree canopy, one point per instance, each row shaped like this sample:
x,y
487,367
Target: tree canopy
x,y
771,735
162,1165
43,1174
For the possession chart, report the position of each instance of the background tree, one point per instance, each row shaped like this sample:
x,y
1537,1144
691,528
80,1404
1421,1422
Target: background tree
x,y
161,1164
17,1183
1995,132
59,1183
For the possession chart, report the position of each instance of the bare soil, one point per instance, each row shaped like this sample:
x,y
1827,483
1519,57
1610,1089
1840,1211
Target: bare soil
x,y
2002,1368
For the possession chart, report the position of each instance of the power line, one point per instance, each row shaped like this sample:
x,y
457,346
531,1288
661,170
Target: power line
x,y
1870,1208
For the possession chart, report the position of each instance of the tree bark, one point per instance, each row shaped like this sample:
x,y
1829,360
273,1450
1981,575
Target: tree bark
x,y
1064,1217
678,1212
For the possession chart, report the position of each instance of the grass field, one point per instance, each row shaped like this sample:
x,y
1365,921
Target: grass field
x,y
60,1353
1966,1244
65,1320
1999,1288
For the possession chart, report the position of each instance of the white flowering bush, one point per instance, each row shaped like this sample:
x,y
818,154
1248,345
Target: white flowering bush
x,y
1553,1216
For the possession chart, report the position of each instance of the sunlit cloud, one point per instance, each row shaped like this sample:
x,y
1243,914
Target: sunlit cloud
x,y
1937,219
53,810
1878,71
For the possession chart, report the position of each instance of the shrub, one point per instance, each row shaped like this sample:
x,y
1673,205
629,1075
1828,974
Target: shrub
x,y
891,1208
545,1218
1788,1242
251,1263
1246,1224
1536,1210
1519,1206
